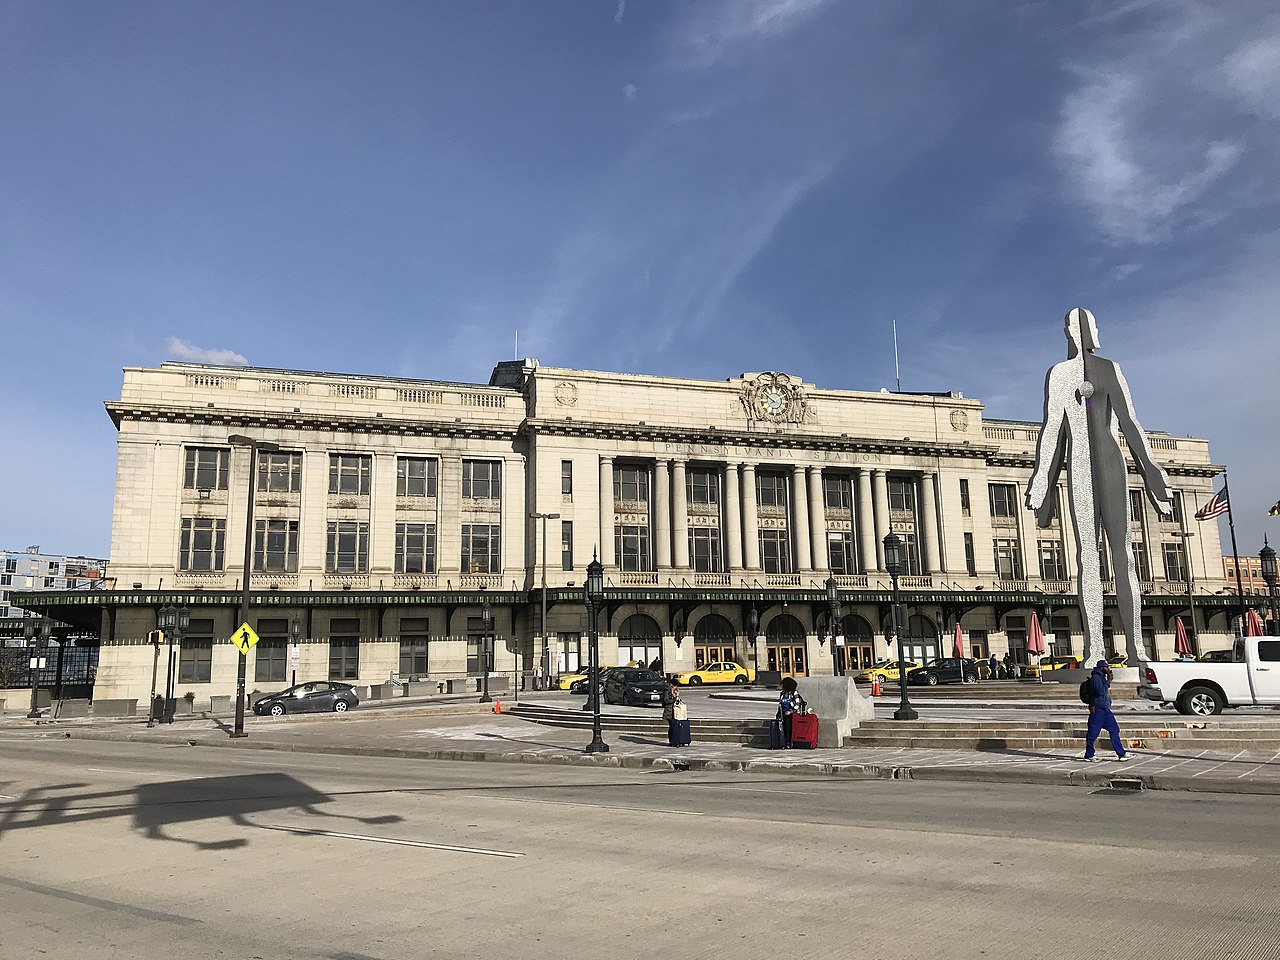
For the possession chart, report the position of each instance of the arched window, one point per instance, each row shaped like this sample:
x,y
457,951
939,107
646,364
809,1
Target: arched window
x,y
786,647
713,639
639,640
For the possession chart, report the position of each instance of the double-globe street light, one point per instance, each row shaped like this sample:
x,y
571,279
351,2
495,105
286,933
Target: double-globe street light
x,y
593,596
1268,557
893,564
254,445
546,638
833,608
173,623
486,618
36,631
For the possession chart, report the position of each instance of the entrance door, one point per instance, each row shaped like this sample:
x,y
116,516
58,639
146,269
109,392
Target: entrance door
x,y
712,653
788,659
857,657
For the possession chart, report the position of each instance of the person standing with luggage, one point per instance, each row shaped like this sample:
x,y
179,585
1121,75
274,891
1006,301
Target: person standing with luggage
x,y
789,704
1098,689
676,712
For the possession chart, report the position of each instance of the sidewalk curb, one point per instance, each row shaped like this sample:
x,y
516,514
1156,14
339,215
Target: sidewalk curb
x,y
1020,773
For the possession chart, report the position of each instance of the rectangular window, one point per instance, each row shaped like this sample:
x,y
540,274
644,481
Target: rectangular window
x,y
415,477
413,646
1053,563
275,546
50,582
966,505
1177,507
206,468
10,565
1136,509
704,549
349,473
6,580
840,552
771,489
195,653
415,548
1175,567
1004,499
1140,560
53,567
902,494
632,547
280,472
347,549
481,479
910,555
566,544
1008,559
837,491
202,544
970,559
775,551
566,478
271,651
481,543
344,649
703,485
631,483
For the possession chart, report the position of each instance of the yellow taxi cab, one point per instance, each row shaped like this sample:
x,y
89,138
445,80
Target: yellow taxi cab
x,y
1051,663
722,671
886,669
567,680
1119,660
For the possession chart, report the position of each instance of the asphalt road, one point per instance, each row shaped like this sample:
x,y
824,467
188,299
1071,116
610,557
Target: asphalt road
x,y
121,850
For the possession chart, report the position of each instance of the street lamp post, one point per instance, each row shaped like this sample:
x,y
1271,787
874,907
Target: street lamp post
x,y
1268,557
833,607
254,446
893,565
486,617
546,641
37,632
173,621
295,634
593,594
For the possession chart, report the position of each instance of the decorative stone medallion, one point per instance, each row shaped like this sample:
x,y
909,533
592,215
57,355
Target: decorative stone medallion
x,y
959,421
566,394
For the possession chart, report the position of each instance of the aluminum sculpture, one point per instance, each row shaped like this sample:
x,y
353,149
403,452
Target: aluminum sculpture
x,y
1087,408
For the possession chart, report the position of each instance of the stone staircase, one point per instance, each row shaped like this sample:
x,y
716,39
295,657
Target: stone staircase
x,y
994,691
1182,735
753,733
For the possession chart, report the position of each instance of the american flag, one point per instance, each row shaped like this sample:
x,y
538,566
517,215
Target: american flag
x,y
1275,510
1215,507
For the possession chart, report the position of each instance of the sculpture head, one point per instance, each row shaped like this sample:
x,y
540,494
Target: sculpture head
x,y
1082,330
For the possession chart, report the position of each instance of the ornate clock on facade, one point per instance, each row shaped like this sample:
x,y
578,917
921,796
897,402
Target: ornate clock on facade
x,y
775,397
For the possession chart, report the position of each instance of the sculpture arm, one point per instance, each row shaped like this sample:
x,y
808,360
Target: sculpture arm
x,y
1153,475
1050,454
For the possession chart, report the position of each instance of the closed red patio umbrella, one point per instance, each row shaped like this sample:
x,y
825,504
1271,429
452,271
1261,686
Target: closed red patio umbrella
x,y
957,644
1181,645
1253,624
1035,642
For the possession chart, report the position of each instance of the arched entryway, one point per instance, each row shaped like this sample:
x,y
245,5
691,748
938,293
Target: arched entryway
x,y
639,640
785,643
713,640
858,651
919,640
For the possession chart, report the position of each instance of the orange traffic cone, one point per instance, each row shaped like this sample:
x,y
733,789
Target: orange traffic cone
x,y
497,704
875,685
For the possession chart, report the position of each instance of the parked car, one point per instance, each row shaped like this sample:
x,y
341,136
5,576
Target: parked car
x,y
1047,664
631,685
583,683
316,696
1204,688
886,669
723,671
944,670
567,680
1218,656
1118,661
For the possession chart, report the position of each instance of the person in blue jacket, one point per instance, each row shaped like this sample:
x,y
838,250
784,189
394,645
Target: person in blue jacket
x,y
1100,715
789,704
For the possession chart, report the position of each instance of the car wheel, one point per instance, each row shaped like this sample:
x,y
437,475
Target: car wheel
x,y
932,680
740,678
970,678
1200,701
694,681
277,709
340,706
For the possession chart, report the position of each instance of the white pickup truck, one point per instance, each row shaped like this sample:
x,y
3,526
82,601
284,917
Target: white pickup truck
x,y
1201,688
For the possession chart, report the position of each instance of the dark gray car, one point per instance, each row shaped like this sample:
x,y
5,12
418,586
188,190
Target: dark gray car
x,y
316,696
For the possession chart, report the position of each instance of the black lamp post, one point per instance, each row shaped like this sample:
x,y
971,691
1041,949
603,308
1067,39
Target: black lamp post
x,y
37,632
173,621
893,566
833,607
1268,557
295,634
593,595
486,617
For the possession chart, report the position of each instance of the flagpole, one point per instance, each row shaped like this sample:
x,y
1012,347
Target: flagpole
x,y
1235,552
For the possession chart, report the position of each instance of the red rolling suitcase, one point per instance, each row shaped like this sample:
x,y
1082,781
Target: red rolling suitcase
x,y
804,731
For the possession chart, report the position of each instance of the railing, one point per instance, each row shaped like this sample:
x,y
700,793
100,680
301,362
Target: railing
x,y
638,579
712,579
474,581
915,583
1011,586
1056,586
855,581
418,395
414,581
782,580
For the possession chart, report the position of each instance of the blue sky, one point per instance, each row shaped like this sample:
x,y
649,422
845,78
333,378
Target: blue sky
x,y
677,188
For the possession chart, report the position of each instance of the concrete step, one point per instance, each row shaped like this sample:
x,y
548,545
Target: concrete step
x,y
748,732
997,690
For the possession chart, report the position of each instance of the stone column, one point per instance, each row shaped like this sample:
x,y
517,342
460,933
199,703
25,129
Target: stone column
x,y
449,527
865,511
800,535
932,559
680,522
662,515
733,516
606,512
750,523
880,488
818,520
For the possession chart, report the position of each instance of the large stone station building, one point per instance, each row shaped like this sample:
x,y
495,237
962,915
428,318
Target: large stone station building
x,y
391,512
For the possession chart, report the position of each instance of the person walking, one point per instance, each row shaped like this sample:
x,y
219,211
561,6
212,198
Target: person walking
x,y
789,704
1010,666
995,667
1098,687
676,712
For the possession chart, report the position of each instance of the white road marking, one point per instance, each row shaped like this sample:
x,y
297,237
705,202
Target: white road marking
x,y
594,806
135,773
5,796
394,841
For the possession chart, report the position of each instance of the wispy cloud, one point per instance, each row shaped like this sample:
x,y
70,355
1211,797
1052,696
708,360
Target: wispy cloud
x,y
630,91
715,29
182,350
621,11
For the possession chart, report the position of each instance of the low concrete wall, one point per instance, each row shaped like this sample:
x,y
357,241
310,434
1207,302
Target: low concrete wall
x,y
115,708
71,708
839,704
220,704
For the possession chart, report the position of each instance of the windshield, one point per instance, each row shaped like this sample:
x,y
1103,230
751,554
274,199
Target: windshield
x,y
640,676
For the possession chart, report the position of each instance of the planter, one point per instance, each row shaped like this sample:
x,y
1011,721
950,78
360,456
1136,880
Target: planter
x,y
220,704
462,685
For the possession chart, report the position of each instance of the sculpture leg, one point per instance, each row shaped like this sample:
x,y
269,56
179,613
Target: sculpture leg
x,y
1088,568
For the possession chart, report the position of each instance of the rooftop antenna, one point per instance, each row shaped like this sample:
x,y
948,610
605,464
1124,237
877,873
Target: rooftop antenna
x,y
517,345
897,375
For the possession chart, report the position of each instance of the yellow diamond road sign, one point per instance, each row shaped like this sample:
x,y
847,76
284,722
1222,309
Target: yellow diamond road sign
x,y
244,638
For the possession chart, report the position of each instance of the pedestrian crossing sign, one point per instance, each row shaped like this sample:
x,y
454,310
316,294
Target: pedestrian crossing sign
x,y
244,638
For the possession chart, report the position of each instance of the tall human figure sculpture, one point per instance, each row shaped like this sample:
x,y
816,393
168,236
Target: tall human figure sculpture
x,y
1087,408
